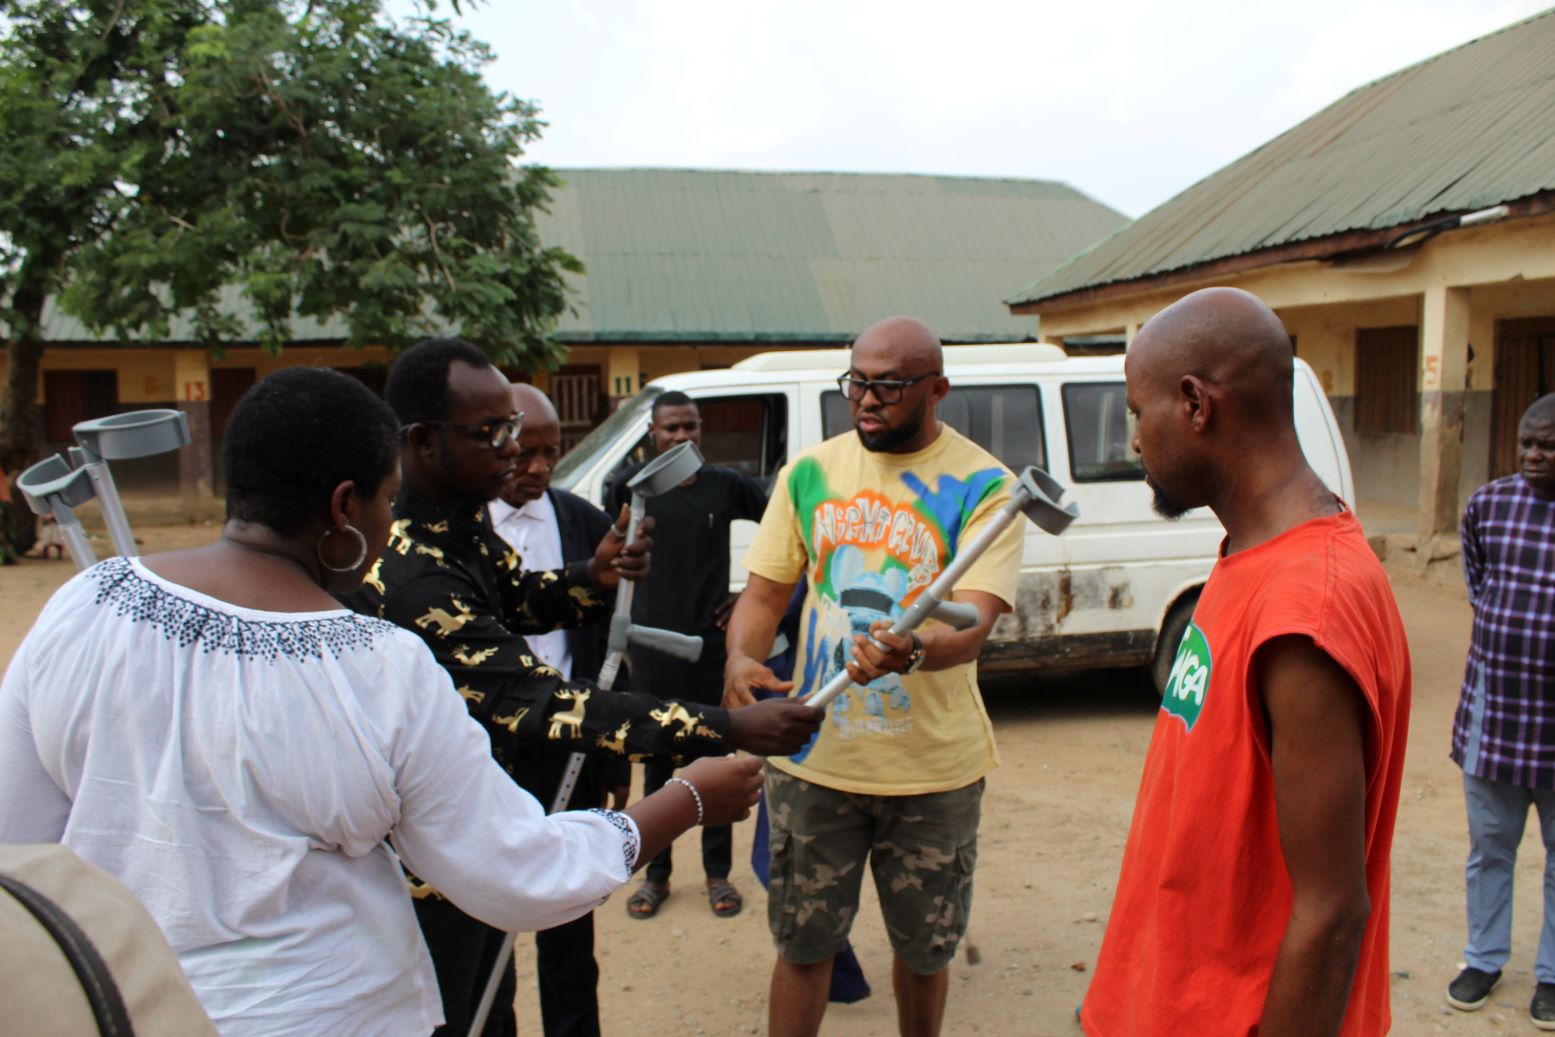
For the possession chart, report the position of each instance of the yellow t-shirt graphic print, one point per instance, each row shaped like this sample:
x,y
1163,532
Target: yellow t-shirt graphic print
x,y
871,531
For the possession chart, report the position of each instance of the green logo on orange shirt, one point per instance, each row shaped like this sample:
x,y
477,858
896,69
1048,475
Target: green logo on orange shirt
x,y
1185,688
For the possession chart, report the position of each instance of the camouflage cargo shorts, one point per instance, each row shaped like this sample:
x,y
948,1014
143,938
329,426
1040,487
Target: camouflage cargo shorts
x,y
921,849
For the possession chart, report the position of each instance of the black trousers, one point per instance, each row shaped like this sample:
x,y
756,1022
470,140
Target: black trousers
x,y
464,951
569,978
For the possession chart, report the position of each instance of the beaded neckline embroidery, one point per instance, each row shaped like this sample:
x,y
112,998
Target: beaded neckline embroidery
x,y
132,596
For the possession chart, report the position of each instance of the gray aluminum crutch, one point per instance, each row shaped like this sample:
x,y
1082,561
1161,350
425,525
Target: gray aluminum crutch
x,y
1036,495
659,476
54,487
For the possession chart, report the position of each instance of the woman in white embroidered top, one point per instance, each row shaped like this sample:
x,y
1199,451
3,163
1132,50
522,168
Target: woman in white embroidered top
x,y
210,727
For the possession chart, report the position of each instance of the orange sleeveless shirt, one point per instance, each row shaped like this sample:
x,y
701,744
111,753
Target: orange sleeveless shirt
x,y
1204,897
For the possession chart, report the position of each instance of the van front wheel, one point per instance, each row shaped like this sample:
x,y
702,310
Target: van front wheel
x,y
1166,642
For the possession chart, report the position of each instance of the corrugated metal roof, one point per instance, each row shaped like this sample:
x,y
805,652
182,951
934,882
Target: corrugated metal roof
x,y
676,255
59,326
695,256
1465,130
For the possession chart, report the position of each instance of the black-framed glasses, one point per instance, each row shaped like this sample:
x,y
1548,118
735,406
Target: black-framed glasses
x,y
496,433
886,390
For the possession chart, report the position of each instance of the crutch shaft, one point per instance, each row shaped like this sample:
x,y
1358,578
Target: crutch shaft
x,y
935,593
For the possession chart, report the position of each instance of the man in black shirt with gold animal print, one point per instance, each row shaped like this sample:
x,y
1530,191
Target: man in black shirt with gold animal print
x,y
448,577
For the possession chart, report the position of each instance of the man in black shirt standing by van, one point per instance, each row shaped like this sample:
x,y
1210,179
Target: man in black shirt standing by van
x,y
688,592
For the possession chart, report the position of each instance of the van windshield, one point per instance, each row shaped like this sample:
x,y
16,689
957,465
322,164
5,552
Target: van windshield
x,y
632,414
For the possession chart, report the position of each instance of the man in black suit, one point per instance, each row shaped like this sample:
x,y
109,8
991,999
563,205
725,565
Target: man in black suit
x,y
549,528
688,592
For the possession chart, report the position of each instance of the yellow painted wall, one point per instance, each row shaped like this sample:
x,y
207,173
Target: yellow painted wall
x,y
1325,335
317,356
145,375
640,364
149,376
658,361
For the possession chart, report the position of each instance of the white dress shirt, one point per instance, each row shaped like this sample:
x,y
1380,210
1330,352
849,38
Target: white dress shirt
x,y
534,533
239,770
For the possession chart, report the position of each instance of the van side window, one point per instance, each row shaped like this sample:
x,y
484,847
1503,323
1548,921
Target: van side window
x,y
1100,447
1005,420
746,433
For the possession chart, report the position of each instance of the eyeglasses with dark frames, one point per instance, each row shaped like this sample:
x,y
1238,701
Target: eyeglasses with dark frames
x,y
886,390
495,433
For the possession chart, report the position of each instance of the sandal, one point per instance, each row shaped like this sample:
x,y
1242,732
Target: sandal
x,y
645,903
723,898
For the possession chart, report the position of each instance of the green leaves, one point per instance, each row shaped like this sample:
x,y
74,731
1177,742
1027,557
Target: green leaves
x,y
231,166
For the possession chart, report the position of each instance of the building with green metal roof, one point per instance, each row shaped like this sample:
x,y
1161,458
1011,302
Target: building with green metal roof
x,y
688,269
685,270
1406,236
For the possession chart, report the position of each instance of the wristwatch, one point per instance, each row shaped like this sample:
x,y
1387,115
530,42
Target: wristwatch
x,y
914,657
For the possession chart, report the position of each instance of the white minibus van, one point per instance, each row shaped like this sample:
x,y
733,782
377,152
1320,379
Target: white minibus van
x,y
1117,589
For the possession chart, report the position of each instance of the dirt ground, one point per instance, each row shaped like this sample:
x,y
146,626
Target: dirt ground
x,y
1055,818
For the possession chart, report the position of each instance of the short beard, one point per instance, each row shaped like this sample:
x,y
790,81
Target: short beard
x,y
887,441
1164,505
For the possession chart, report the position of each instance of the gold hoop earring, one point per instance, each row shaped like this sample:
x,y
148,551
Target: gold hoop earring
x,y
361,549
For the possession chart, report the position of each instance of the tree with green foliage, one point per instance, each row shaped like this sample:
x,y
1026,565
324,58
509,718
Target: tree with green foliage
x,y
218,171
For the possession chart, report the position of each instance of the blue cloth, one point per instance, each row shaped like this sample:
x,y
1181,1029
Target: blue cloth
x,y
1498,811
847,976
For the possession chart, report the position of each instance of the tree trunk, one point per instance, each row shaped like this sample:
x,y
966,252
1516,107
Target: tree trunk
x,y
19,399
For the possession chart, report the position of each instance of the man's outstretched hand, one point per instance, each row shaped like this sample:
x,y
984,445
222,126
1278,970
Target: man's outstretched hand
x,y
744,677
776,727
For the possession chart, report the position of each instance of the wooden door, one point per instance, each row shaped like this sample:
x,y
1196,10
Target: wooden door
x,y
74,396
228,384
1525,370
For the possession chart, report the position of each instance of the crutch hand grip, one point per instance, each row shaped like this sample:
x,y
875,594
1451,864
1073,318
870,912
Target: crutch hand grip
x,y
957,614
681,646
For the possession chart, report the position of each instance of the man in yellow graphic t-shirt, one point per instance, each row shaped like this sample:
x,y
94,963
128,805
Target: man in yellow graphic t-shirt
x,y
895,775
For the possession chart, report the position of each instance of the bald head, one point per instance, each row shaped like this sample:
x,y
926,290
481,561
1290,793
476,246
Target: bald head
x,y
901,362
1541,411
906,345
533,404
1210,383
1228,338
539,446
1536,446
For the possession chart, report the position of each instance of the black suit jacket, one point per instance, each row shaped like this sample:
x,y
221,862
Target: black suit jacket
x,y
582,527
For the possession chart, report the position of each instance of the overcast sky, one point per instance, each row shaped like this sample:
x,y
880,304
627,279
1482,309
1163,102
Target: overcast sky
x,y
1128,100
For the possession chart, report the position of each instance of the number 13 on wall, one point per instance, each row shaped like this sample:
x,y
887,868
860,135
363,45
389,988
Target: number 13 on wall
x,y
195,392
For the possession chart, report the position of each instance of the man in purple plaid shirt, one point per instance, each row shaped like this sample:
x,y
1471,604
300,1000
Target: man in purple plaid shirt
x,y
1504,733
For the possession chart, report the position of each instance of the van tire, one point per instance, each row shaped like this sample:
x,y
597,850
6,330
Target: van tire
x,y
1177,619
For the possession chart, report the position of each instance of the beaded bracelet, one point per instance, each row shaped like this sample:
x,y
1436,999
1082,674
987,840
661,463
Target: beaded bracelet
x,y
694,794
